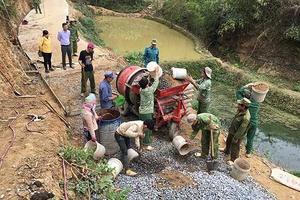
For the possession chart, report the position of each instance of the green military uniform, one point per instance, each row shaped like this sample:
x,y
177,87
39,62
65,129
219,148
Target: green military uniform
x,y
73,38
203,95
36,5
237,132
146,108
203,124
253,109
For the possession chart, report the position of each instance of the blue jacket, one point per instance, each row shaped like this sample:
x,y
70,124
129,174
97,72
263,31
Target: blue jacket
x,y
150,54
104,94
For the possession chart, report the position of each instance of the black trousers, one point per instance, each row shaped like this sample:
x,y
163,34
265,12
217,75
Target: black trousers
x,y
47,60
66,49
124,144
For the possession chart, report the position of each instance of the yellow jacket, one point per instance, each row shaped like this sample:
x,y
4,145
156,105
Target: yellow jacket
x,y
45,45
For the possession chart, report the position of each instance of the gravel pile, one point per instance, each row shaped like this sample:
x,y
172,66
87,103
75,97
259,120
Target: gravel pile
x,y
207,185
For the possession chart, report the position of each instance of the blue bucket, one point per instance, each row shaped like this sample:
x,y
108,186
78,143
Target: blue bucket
x,y
107,126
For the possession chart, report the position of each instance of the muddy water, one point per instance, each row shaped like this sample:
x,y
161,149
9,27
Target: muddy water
x,y
279,144
134,34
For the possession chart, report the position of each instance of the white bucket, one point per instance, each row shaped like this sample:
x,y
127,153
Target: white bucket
x,y
100,150
132,154
179,73
181,145
151,68
259,91
115,164
240,169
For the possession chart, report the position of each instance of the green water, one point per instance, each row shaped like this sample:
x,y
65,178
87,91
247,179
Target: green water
x,y
133,34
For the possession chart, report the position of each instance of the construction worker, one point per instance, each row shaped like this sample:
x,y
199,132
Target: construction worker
x,y
245,91
146,108
74,38
237,130
105,93
203,85
87,71
202,122
151,53
127,130
63,37
36,5
89,117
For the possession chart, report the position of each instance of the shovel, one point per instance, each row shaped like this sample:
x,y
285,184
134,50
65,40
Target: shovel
x,y
211,163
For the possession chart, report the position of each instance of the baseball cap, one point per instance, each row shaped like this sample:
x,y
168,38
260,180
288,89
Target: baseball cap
x,y
110,74
91,45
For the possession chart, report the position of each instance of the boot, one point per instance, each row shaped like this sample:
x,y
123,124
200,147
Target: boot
x,y
130,173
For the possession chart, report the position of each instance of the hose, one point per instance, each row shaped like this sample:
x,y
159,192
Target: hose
x,y
13,135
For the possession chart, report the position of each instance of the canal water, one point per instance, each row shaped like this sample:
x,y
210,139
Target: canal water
x,y
124,35
273,140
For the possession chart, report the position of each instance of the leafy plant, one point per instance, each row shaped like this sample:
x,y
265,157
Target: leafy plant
x,y
91,178
134,58
293,32
297,88
295,173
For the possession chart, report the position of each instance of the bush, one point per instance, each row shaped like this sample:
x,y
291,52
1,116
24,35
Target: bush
x,y
90,178
134,58
293,33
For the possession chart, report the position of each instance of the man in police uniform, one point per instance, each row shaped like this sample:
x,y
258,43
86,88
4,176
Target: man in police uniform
x,y
74,36
238,129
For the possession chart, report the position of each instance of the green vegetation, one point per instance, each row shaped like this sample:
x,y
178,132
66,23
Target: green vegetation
x,y
128,6
297,88
293,33
87,26
134,58
295,173
90,178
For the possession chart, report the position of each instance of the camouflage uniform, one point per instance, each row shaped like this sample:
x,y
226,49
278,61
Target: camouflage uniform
x,y
73,38
253,109
146,108
36,5
236,133
204,95
203,124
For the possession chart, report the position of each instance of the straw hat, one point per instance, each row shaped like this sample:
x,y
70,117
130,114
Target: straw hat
x,y
208,71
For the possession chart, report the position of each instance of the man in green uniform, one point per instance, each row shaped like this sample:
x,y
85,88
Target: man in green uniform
x,y
36,5
203,85
74,36
146,108
238,129
202,122
253,109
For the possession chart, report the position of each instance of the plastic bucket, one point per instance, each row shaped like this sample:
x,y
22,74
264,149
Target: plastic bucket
x,y
120,100
181,145
259,91
179,73
132,154
99,152
108,125
151,68
240,169
116,164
